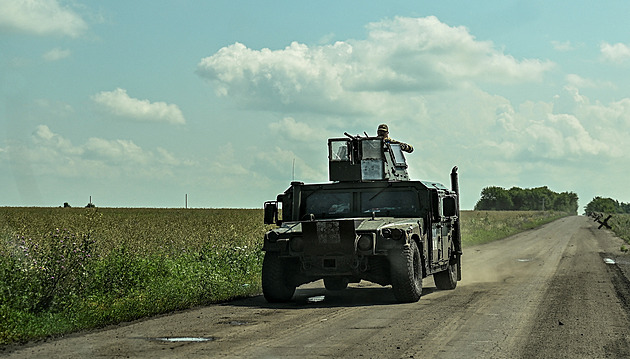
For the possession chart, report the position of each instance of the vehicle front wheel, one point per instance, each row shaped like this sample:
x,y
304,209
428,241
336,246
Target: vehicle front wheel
x,y
406,273
275,287
447,280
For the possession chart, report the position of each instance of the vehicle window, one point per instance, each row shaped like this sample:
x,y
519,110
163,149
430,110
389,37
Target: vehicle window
x,y
399,158
390,203
371,149
328,204
340,151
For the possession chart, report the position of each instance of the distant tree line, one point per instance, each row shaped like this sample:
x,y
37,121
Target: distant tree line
x,y
526,199
607,205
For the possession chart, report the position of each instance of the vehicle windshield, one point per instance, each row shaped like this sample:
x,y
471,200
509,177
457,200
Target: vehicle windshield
x,y
383,202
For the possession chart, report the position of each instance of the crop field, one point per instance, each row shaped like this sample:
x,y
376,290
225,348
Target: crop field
x,y
68,269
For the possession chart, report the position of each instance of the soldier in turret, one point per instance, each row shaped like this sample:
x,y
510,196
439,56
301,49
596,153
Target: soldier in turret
x,y
383,131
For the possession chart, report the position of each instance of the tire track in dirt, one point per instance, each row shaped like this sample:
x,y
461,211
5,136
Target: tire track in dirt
x,y
580,315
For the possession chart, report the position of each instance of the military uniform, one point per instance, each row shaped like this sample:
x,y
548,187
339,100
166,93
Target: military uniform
x,y
383,131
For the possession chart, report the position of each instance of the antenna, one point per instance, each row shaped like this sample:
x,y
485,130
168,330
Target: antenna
x,y
293,171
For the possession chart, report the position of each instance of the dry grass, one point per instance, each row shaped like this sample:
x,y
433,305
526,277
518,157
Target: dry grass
x,y
620,224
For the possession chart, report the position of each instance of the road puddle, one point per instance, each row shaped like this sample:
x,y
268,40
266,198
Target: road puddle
x,y
317,299
609,261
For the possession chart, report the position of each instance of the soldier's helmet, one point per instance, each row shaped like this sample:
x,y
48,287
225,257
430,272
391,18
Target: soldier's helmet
x,y
382,129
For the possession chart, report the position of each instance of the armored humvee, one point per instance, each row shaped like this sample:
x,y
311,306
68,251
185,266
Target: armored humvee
x,y
371,222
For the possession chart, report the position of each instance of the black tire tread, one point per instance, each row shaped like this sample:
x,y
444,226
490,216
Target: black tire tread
x,y
406,282
274,279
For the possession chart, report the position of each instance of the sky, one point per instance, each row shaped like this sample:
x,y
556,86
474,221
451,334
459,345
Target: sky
x,y
214,104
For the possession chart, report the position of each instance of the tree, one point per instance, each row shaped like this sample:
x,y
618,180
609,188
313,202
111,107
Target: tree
x,y
605,205
531,199
494,199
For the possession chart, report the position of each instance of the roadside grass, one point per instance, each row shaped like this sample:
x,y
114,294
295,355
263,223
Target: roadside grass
x,y
480,227
69,269
620,224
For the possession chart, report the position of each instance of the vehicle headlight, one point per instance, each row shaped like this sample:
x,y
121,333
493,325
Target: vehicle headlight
x,y
365,242
296,244
393,233
272,236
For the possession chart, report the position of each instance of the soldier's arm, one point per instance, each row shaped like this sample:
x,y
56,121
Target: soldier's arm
x,y
405,147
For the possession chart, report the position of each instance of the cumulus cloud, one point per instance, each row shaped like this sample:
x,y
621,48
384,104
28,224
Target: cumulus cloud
x,y
562,46
418,55
582,133
56,54
50,153
119,103
429,81
562,136
297,131
40,17
116,150
45,137
617,53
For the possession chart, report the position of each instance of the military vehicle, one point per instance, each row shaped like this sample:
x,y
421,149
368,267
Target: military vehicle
x,y
371,222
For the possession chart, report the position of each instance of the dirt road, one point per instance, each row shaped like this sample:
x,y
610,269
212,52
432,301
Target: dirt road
x,y
560,291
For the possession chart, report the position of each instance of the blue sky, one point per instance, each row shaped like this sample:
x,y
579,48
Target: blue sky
x,y
138,103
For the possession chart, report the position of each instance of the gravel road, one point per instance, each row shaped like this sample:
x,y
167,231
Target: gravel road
x,y
559,291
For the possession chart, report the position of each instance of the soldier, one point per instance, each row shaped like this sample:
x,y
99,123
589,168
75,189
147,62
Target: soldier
x,y
383,131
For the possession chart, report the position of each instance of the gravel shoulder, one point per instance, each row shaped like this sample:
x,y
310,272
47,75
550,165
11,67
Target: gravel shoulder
x,y
557,291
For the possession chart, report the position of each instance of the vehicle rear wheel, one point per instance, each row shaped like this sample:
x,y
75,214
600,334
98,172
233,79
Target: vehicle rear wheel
x,y
275,287
336,283
447,280
406,273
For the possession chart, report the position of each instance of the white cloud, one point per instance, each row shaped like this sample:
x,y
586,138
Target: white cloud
x,y
616,52
455,123
297,131
45,137
120,104
40,17
116,151
562,136
412,55
56,54
565,45
54,107
50,153
574,80
287,165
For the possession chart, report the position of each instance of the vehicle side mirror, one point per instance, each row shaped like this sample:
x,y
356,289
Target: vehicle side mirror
x,y
449,206
271,212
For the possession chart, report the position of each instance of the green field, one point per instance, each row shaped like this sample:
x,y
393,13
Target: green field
x,y
68,269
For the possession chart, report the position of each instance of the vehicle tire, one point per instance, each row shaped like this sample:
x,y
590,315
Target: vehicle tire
x,y
447,280
274,279
336,283
406,273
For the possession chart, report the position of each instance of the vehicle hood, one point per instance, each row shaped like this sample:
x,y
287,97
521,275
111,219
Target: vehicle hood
x,y
360,224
